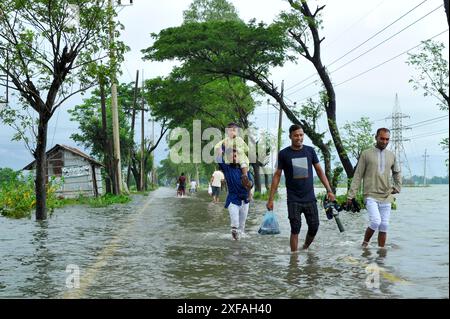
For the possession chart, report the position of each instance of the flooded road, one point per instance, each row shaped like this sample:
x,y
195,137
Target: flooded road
x,y
160,246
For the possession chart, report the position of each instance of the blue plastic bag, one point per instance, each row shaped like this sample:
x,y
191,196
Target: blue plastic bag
x,y
269,225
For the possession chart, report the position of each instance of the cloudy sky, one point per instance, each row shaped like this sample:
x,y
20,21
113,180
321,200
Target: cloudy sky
x,y
363,49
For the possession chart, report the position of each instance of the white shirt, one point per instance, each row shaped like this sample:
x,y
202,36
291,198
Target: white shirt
x,y
218,177
193,184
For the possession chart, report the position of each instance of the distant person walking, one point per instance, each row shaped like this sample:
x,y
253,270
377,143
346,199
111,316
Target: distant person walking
x,y
216,183
181,185
374,168
193,188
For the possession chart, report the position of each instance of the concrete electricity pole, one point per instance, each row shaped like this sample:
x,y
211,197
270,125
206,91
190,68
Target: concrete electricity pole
x,y
114,104
425,168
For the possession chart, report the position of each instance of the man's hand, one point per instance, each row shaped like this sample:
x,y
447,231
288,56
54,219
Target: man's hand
x,y
269,205
331,197
394,191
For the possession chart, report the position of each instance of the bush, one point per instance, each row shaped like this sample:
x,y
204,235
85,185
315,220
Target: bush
x,y
18,198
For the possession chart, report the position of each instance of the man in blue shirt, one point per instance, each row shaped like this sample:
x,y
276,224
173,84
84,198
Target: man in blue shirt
x,y
237,200
297,161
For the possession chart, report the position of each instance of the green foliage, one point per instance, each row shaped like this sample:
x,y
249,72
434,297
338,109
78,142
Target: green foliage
x,y
358,136
89,116
342,199
7,175
18,199
444,145
210,10
432,72
95,202
182,99
222,47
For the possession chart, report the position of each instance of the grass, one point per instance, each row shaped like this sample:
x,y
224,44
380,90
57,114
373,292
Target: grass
x,y
264,196
101,201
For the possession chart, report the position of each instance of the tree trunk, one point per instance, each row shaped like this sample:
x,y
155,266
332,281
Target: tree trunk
x,y
447,11
336,177
330,106
331,119
41,169
135,170
257,177
133,120
266,181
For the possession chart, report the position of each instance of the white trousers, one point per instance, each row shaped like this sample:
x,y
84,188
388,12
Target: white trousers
x,y
238,216
379,214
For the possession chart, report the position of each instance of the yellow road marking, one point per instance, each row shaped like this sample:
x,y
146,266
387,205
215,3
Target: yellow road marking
x,y
90,274
387,275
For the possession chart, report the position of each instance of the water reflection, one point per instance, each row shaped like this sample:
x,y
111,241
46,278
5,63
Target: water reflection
x,y
38,282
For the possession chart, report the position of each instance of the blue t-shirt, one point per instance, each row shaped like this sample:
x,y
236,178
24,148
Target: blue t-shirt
x,y
236,191
297,167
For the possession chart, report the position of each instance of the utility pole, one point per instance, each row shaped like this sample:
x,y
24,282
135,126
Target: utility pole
x,y
153,152
425,167
114,104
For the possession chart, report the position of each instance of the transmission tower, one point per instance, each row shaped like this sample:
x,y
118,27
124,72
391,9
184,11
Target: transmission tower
x,y
397,136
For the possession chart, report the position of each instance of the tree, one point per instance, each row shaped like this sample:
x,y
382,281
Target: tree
x,y
182,98
444,145
88,115
7,174
50,53
358,136
432,70
91,135
233,48
303,26
210,10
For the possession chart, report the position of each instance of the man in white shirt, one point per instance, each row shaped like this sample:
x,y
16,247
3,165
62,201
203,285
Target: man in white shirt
x,y
193,188
216,183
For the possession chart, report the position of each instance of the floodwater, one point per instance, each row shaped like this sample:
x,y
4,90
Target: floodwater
x,y
160,246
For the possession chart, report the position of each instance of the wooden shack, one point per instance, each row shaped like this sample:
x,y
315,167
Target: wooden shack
x,y
79,172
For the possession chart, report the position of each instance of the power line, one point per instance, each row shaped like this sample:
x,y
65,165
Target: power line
x,y
369,50
440,118
428,134
380,64
355,23
389,60
392,23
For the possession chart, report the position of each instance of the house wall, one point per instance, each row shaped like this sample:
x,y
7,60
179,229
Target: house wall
x,y
77,174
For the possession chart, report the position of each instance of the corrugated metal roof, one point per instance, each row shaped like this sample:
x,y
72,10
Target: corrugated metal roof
x,y
67,148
